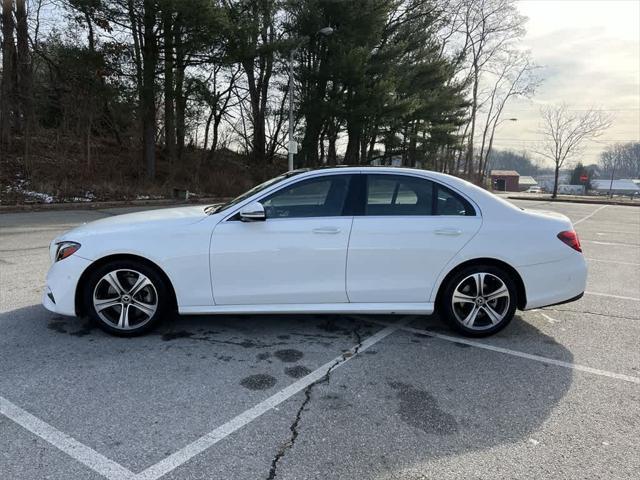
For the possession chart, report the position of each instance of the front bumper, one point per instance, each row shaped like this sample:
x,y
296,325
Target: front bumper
x,y
555,282
59,295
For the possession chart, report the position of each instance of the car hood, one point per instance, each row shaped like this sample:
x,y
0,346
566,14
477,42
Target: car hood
x,y
172,217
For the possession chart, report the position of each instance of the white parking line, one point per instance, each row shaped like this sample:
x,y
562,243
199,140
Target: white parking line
x,y
551,320
206,441
615,244
516,353
616,232
590,215
611,261
69,445
621,297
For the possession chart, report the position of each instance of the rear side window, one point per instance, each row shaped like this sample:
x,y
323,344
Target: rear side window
x,y
450,203
316,197
407,195
398,195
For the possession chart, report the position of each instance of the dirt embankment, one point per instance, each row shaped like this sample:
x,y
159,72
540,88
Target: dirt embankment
x,y
57,171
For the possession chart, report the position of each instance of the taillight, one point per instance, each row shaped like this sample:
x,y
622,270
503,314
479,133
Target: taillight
x,y
570,237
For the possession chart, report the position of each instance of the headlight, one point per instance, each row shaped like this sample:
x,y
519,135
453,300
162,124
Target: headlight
x,y
66,249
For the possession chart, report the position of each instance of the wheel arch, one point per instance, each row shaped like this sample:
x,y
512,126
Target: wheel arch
x,y
79,306
521,290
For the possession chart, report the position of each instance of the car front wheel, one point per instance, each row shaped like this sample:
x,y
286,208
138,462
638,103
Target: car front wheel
x,y
126,298
479,300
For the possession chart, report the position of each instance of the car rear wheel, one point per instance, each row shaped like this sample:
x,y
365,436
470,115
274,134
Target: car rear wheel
x,y
479,300
126,298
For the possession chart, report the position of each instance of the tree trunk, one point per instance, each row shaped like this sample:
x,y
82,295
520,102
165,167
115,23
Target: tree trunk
x,y
257,116
24,65
332,156
323,136
148,105
207,126
169,106
352,154
87,145
9,74
135,32
555,180
474,110
216,129
372,145
180,97
413,134
364,142
309,157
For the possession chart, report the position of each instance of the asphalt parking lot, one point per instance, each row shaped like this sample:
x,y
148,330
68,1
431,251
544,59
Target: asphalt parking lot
x,y
555,395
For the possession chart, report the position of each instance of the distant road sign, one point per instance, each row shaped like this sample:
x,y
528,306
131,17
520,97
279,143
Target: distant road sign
x,y
584,178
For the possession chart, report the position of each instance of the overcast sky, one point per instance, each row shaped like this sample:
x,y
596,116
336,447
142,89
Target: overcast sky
x,y
590,54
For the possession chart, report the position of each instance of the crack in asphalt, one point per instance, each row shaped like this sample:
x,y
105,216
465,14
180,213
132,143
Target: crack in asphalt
x,y
293,428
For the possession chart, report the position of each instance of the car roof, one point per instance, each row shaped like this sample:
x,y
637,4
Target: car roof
x,y
368,168
443,177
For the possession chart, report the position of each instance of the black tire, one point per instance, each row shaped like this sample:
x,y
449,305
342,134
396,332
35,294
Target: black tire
x,y
483,324
141,321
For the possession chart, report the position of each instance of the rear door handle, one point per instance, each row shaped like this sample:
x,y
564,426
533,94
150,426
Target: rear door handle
x,y
327,230
449,232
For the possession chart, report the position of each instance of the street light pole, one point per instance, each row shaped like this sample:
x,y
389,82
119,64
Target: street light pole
x,y
290,162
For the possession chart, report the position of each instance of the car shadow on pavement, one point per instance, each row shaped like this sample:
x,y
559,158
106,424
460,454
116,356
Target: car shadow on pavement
x,y
421,400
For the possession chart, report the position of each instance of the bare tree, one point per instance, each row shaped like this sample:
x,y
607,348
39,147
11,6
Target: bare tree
x,y
491,27
565,132
621,160
514,76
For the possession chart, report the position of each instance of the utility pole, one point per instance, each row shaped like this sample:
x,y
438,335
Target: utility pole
x,y
613,171
292,150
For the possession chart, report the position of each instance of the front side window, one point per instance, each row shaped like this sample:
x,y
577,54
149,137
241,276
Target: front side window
x,y
316,197
225,206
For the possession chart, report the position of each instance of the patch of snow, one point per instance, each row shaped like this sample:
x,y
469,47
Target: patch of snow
x,y
43,197
21,187
149,197
88,197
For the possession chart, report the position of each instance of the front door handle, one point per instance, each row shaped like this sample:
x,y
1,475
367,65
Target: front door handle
x,y
327,230
449,232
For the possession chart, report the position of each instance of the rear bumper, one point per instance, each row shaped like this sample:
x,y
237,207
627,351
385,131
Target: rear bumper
x,y
59,295
573,299
555,282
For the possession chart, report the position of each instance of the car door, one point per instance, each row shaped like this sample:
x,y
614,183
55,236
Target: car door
x,y
410,229
296,256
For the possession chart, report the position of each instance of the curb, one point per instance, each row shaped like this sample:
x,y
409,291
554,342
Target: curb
x,y
35,207
576,200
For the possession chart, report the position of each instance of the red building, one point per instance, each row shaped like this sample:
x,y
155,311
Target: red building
x,y
504,180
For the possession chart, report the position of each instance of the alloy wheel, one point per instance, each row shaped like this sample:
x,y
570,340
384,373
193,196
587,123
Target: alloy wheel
x,y
480,301
125,299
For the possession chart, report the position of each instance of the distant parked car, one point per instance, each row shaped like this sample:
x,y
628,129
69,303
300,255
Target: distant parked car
x,y
341,240
533,190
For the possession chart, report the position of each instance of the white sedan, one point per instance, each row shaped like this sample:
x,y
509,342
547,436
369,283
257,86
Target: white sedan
x,y
338,240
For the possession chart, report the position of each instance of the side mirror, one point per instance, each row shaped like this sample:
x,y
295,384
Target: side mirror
x,y
254,212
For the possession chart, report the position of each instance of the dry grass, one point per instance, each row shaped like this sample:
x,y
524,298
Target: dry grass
x,y
57,168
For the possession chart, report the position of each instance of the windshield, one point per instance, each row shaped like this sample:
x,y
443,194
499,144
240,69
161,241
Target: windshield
x,y
224,206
